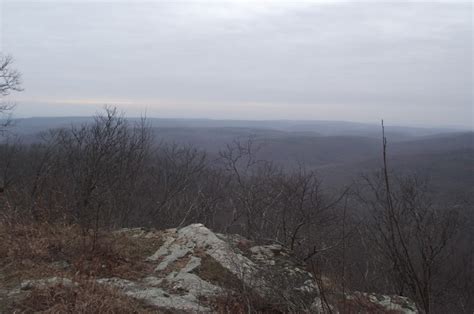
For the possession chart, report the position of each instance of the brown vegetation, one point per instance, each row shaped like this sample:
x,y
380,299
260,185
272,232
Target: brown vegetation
x,y
30,250
38,250
65,194
85,297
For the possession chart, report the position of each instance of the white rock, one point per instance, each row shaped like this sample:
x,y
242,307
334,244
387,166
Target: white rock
x,y
192,284
157,296
46,283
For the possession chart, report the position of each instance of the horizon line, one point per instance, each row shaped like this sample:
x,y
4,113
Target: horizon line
x,y
420,126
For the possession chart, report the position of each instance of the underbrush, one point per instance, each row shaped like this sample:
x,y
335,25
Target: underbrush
x,y
39,250
85,297
36,249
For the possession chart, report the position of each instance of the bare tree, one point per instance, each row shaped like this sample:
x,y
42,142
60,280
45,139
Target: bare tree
x,y
268,204
10,80
174,191
98,168
252,192
412,237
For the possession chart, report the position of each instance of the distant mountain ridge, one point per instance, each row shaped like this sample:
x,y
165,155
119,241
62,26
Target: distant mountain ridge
x,y
338,151
26,125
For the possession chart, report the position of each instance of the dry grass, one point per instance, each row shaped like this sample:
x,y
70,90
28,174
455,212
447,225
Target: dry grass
x,y
240,303
31,250
362,305
86,297
28,251
43,250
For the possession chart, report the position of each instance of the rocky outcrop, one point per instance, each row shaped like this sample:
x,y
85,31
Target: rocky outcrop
x,y
196,268
198,271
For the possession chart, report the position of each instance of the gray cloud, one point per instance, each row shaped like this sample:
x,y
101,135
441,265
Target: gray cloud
x,y
410,62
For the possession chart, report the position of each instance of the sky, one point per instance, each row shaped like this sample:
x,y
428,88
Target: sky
x,y
409,62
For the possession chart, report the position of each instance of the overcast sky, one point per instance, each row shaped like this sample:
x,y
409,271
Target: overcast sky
x,y
408,62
